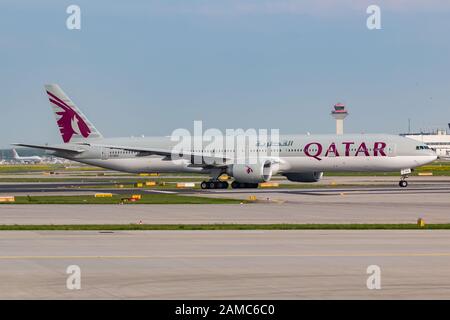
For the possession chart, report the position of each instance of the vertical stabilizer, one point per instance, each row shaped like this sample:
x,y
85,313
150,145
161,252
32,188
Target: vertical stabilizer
x,y
72,123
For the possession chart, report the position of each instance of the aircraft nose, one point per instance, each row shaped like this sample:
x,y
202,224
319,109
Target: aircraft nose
x,y
434,155
427,159
431,158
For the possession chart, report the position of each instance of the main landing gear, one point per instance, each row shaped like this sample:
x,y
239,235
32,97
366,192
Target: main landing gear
x,y
405,174
214,184
242,185
211,184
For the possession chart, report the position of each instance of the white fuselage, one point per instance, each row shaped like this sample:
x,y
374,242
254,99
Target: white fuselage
x,y
295,153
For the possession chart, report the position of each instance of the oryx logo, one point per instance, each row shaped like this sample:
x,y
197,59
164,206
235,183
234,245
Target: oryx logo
x,y
70,123
248,169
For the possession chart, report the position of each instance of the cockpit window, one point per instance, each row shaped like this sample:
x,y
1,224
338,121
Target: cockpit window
x,y
422,147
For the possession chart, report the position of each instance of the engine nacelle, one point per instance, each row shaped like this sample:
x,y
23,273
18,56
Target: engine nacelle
x,y
252,173
304,176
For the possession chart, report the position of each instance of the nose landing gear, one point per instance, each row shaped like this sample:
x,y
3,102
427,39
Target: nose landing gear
x,y
405,174
403,183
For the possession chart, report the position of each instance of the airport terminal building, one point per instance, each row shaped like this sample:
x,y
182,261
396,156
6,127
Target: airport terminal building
x,y
438,140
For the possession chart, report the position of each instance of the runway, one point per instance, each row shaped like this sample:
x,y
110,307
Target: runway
x,y
232,264
327,184
272,206
226,264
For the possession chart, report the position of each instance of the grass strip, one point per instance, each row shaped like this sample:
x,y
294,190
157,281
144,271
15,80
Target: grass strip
x,y
117,199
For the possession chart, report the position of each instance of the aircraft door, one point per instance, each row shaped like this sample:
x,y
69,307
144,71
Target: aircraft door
x,y
104,153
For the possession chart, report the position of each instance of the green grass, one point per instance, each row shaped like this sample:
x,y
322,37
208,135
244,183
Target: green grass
x,y
15,168
116,199
119,227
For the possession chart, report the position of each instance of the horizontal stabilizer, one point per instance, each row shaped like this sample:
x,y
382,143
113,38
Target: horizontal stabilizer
x,y
61,149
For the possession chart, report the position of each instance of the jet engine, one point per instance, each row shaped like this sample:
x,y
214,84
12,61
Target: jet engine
x,y
304,176
252,173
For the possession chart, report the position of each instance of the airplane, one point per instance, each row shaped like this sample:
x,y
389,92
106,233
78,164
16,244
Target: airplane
x,y
32,159
300,158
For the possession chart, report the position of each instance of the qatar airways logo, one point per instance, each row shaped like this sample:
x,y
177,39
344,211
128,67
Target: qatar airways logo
x,y
316,150
70,123
248,169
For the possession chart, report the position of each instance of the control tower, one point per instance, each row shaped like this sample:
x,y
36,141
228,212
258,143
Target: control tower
x,y
339,113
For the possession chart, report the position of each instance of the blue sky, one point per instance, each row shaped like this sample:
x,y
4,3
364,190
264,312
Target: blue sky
x,y
149,67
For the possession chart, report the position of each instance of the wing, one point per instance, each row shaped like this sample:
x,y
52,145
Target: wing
x,y
196,159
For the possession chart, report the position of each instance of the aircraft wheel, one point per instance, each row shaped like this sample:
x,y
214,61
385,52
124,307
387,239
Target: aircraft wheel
x,y
214,185
223,185
211,185
241,185
403,183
